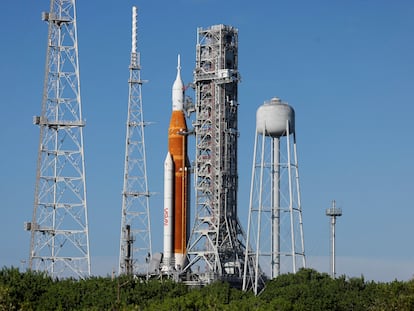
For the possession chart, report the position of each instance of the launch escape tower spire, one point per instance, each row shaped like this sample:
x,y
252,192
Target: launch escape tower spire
x,y
59,227
216,246
135,243
275,240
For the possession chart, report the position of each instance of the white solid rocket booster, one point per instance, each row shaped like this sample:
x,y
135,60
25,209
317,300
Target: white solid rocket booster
x,y
168,209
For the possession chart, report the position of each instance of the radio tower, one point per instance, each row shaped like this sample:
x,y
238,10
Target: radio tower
x,y
216,248
135,245
59,228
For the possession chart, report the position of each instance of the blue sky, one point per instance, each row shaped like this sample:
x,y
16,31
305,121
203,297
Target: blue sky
x,y
347,67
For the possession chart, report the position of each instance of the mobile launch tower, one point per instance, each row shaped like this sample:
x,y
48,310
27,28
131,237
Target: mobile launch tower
x,y
216,246
135,242
59,228
275,228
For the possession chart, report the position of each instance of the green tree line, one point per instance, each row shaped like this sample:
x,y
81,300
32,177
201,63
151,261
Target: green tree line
x,y
305,290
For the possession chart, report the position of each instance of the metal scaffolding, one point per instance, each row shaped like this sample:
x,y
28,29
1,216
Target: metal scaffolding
x,y
59,227
216,247
135,242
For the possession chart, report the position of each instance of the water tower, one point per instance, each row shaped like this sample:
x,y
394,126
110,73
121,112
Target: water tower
x,y
275,228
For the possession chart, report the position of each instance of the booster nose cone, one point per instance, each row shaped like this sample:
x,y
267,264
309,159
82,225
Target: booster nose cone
x,y
178,90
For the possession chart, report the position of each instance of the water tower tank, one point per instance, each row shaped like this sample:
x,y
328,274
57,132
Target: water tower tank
x,y
273,116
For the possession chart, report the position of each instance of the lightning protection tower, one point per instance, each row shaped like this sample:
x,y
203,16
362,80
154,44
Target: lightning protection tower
x,y
275,228
135,243
59,227
216,247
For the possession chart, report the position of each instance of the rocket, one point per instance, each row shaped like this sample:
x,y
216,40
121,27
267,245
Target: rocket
x,y
176,183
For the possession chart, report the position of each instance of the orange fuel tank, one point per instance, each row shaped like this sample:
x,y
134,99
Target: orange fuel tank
x,y
177,146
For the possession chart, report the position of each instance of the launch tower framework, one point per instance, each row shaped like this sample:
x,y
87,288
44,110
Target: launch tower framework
x,y
59,228
135,242
216,247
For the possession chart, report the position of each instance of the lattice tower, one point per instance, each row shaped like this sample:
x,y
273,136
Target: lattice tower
x,y
59,228
216,248
135,243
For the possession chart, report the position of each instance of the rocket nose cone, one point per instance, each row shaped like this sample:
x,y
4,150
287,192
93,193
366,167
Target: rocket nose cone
x,y
178,89
178,84
168,162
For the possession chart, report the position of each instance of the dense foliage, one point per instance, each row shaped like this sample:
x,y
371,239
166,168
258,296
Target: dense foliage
x,y
305,290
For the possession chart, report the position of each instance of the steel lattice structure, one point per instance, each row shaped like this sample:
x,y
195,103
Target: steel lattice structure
x,y
216,248
135,243
59,228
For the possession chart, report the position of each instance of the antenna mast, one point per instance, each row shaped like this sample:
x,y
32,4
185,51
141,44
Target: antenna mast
x,y
333,212
59,228
135,244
